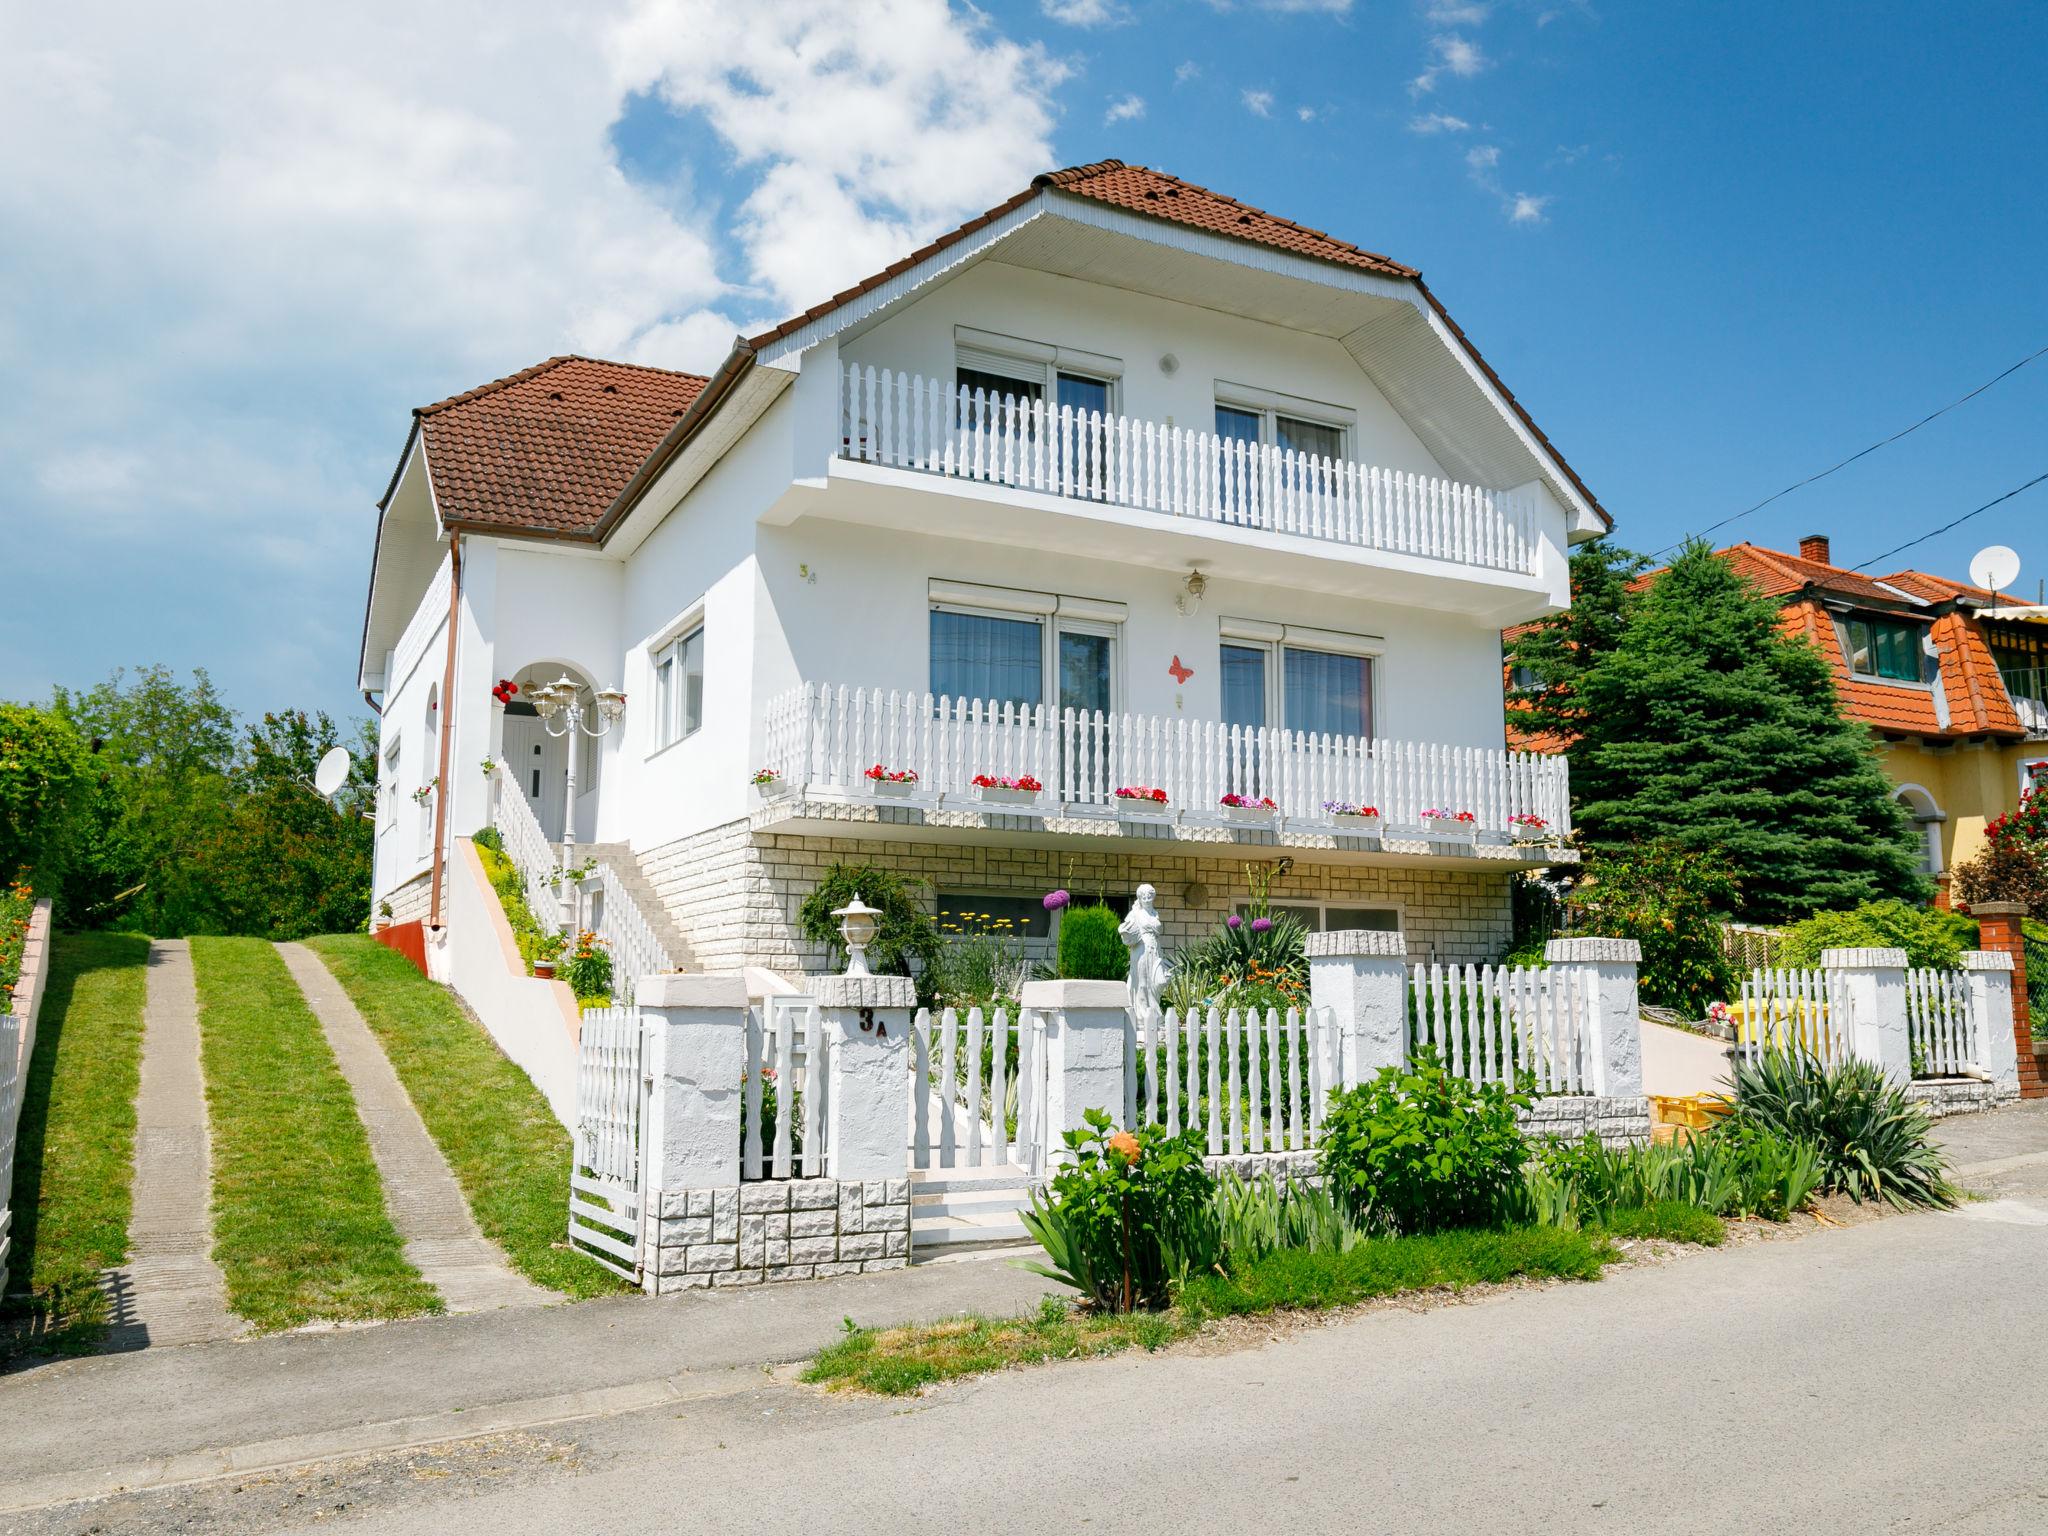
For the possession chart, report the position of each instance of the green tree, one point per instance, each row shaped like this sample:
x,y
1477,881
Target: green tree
x,y
48,782
1708,726
1667,899
1556,652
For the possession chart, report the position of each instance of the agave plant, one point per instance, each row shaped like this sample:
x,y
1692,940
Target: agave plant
x,y
1872,1141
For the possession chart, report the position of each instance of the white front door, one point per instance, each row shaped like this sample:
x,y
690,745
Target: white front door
x,y
535,759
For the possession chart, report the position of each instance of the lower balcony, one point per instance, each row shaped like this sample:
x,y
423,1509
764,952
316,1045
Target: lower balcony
x,y
951,769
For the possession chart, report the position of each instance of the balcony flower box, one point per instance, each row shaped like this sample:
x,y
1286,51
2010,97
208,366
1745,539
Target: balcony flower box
x,y
1450,826
993,790
1357,820
1244,808
769,784
1140,802
1527,831
892,783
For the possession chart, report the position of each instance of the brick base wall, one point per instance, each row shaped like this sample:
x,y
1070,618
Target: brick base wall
x,y
776,1229
1959,1095
735,895
409,902
1617,1122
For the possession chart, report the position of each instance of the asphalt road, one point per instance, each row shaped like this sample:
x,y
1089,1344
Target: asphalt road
x,y
1882,1377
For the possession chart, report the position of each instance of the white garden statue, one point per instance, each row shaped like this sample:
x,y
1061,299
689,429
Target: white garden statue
x,y
1140,932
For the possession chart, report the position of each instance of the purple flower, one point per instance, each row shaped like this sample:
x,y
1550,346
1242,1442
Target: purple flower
x,y
1261,924
1234,920
1054,900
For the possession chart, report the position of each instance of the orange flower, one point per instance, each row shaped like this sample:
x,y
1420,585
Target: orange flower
x,y
1125,1146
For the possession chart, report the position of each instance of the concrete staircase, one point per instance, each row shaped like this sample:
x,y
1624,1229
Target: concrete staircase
x,y
619,859
956,1210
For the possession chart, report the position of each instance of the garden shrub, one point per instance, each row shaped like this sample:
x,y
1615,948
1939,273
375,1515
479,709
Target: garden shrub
x,y
489,837
589,971
1090,947
1873,1142
1131,1217
1929,936
906,941
1420,1150
1669,900
1731,1170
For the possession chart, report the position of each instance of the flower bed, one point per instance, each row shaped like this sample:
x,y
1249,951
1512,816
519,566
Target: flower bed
x,y
17,902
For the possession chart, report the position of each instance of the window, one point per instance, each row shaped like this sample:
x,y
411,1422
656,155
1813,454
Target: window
x,y
679,687
388,790
983,656
1277,421
1009,917
1001,646
1927,820
1524,680
1887,648
1324,692
1321,917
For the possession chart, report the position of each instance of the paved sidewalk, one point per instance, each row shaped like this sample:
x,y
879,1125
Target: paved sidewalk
x,y
427,1206
170,1291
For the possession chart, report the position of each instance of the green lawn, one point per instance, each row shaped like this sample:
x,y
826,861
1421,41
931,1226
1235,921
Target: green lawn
x,y
300,1228
508,1151
75,1153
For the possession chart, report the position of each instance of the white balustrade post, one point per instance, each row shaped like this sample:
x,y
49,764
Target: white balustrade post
x,y
1874,982
1084,1053
1361,976
697,1058
1606,972
1988,974
867,1082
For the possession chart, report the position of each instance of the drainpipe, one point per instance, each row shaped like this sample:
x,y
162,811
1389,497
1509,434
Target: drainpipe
x,y
444,791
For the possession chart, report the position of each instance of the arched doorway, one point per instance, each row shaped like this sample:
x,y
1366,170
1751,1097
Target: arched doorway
x,y
1927,819
539,762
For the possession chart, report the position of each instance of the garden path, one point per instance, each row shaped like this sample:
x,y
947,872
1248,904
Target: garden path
x,y
170,1291
427,1206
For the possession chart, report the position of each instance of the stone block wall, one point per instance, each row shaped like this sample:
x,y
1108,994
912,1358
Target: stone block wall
x,y
775,1229
735,895
410,902
1617,1122
1960,1095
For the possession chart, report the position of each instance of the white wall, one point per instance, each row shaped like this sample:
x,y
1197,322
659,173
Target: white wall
x,y
402,848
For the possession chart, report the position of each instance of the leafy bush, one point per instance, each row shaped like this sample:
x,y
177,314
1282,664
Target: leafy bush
x,y
1130,1217
906,941
2034,940
1669,900
489,837
1928,935
47,779
1261,1216
1090,947
2005,871
534,941
1872,1141
589,971
1419,1150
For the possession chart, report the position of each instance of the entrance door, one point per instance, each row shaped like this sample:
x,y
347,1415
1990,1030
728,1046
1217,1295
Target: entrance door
x,y
534,758
1087,681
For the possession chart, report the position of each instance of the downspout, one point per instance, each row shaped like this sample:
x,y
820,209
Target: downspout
x,y
443,793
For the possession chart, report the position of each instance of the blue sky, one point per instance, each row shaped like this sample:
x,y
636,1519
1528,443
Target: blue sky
x,y
1714,248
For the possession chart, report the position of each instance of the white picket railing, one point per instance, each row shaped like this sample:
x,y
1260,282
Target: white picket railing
x,y
605,1180
1803,1011
13,1079
635,950
1251,1082
427,617
786,1056
1495,1023
908,422
977,1090
529,850
823,740
1939,1027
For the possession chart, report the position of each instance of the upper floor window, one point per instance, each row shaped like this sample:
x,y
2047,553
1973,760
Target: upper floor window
x,y
1002,646
1524,680
1009,366
1258,417
1887,648
1299,687
679,687
387,791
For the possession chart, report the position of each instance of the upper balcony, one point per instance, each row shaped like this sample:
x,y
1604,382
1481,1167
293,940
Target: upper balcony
x,y
2027,687
1118,487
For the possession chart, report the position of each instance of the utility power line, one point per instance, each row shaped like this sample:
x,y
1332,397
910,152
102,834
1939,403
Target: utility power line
x,y
1944,528
1861,453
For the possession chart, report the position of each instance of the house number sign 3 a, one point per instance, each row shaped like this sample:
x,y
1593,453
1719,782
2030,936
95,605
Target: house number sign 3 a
x,y
870,1025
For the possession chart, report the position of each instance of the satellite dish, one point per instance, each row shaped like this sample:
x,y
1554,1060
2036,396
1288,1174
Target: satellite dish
x,y
1995,566
332,772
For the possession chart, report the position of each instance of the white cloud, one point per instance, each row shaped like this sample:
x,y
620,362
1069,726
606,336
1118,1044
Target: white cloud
x,y
1259,103
1087,13
1482,165
1437,122
1449,54
1305,114
1125,110
1185,71
1454,13
1525,209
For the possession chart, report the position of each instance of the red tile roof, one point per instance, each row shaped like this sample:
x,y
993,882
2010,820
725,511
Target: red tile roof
x,y
549,448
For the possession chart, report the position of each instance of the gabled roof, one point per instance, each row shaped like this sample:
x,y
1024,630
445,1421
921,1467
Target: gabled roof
x,y
1776,573
549,448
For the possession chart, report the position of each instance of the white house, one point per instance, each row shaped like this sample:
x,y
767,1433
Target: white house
x,y
1121,484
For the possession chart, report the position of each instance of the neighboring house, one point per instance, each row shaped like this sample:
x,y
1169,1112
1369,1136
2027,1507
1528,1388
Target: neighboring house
x,y
1122,483
1952,678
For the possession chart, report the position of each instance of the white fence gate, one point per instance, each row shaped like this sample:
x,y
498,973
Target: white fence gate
x,y
607,1180
782,1118
1803,1011
1495,1023
1939,1030
1254,1083
977,1090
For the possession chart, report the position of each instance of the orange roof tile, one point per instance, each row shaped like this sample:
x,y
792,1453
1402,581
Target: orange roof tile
x,y
548,449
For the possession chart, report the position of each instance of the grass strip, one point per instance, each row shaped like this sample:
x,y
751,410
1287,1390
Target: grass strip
x,y
75,1150
301,1232
900,1361
508,1152
1672,1220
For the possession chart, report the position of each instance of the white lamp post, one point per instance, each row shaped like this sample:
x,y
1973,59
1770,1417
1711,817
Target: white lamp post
x,y
562,700
857,925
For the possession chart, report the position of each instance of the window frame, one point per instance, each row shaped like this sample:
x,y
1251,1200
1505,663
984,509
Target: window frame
x,y
1054,613
669,681
392,761
1270,405
1323,905
1275,640
1845,627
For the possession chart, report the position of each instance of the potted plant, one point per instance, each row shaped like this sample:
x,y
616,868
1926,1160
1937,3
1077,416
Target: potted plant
x,y
768,783
547,949
1238,807
1364,819
1450,826
425,792
1140,800
895,783
995,789
1527,829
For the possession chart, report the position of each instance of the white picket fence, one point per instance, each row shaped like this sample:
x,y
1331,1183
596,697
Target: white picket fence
x,y
823,740
1805,1011
1939,1027
786,1054
528,849
1495,1023
607,1177
13,1080
977,1090
909,422
627,935
1251,1082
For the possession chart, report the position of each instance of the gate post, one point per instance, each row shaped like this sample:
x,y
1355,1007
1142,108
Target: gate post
x,y
1874,981
1998,929
1361,976
1614,1031
867,1065
696,1044
1989,975
1085,1023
